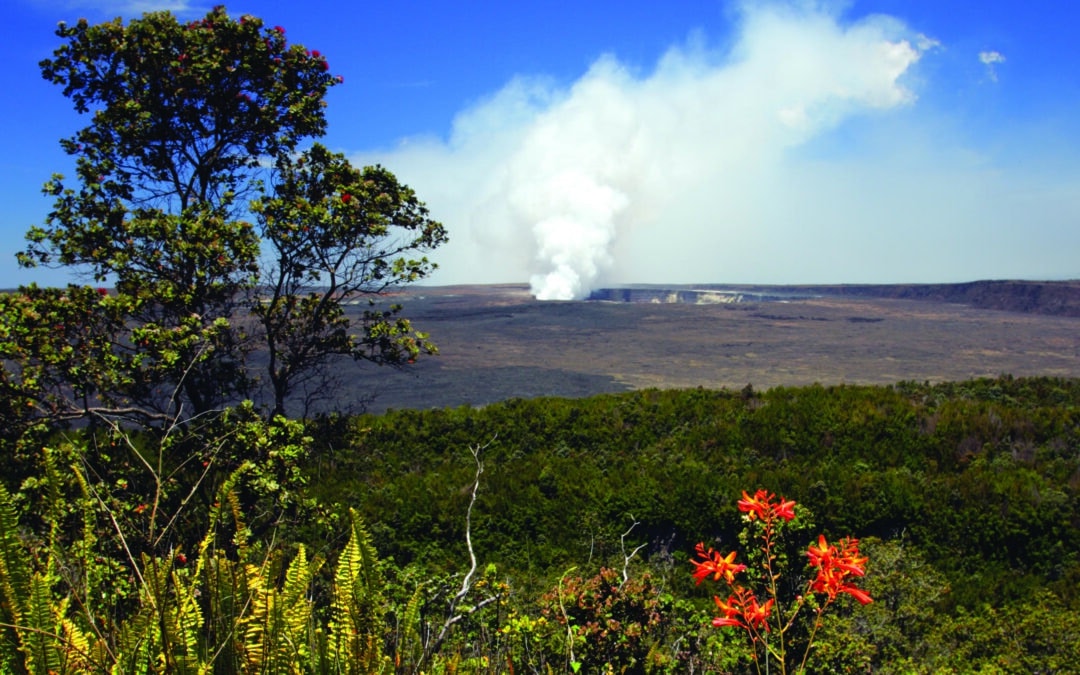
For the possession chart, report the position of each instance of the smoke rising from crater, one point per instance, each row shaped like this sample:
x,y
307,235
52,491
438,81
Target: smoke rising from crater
x,y
675,172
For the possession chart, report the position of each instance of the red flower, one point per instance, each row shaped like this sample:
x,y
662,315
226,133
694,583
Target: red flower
x,y
345,197
341,79
835,565
757,615
730,611
859,594
822,554
102,291
763,505
715,564
743,610
279,30
785,510
756,506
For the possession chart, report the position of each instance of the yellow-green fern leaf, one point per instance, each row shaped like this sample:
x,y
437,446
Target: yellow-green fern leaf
x,y
277,631
297,603
355,639
14,576
81,650
411,646
36,627
184,623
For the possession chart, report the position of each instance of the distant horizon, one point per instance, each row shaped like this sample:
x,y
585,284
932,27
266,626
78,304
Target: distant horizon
x,y
524,284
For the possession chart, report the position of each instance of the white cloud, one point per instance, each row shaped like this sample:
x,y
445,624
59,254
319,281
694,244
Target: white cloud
x,y
991,59
709,168
131,8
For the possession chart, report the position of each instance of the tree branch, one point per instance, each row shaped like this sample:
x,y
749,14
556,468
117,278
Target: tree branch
x,y
466,583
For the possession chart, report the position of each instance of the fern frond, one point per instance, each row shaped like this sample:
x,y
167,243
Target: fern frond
x,y
226,498
14,571
141,645
298,605
184,623
278,637
81,650
37,629
411,644
355,639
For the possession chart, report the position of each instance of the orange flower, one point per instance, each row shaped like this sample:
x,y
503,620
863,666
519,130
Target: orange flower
x,y
743,611
785,510
859,594
835,565
822,554
763,505
730,611
756,506
758,615
715,564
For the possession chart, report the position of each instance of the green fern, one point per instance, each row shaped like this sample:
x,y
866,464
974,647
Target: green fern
x,y
223,580
356,630
33,620
411,647
37,628
276,637
184,623
14,581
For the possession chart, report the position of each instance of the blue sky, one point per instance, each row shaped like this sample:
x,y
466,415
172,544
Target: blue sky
x,y
578,144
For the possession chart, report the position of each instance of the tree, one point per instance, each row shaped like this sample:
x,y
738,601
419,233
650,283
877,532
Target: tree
x,y
337,233
186,120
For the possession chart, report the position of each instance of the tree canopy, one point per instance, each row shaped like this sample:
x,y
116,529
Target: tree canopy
x,y
220,236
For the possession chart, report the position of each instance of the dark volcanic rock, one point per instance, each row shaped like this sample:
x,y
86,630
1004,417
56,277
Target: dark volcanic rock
x,y
497,342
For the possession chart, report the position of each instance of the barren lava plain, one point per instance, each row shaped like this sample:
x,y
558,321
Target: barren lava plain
x,y
496,342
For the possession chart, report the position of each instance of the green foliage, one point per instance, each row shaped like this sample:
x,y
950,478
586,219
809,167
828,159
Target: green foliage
x,y
870,461
59,356
965,497
336,233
